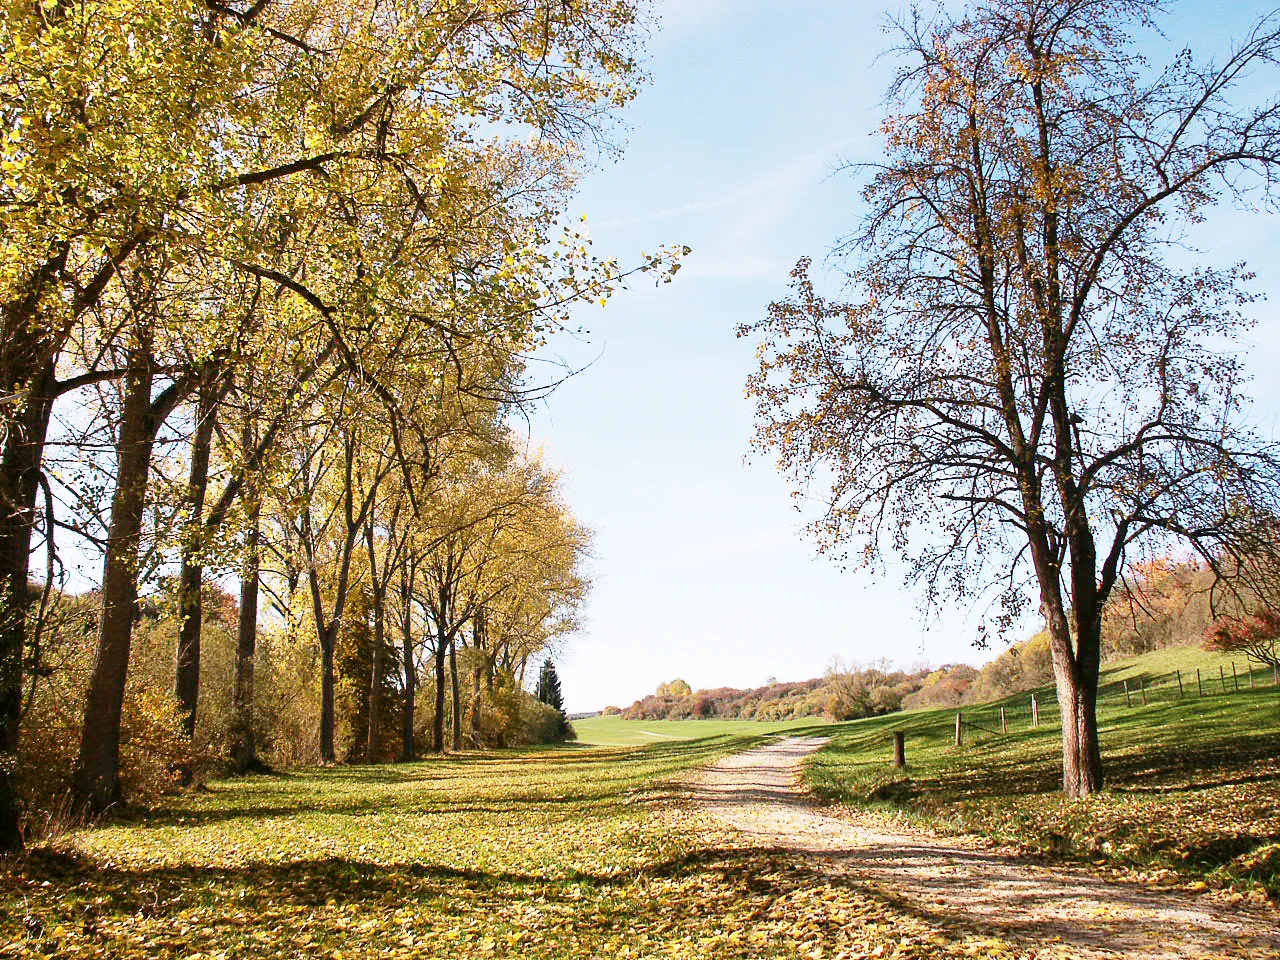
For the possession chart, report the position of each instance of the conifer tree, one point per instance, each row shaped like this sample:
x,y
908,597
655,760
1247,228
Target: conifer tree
x,y
549,686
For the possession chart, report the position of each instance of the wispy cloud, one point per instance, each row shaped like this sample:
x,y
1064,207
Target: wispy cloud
x,y
802,168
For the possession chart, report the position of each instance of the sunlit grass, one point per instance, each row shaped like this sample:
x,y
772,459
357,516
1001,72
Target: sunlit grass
x,y
1193,784
573,852
614,731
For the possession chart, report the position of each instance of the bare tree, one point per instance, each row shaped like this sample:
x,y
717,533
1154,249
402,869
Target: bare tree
x,y
1025,391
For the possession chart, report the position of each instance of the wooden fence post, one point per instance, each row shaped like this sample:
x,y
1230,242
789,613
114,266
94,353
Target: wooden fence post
x,y
1235,677
1004,727
1199,685
959,732
899,749
1222,677
1179,673
1035,711
1127,701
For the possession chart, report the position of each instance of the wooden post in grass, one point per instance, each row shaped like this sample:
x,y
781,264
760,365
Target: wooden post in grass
x,y
1004,727
1179,673
1035,711
1222,677
959,730
899,749
1235,677
1127,701
1142,689
1199,685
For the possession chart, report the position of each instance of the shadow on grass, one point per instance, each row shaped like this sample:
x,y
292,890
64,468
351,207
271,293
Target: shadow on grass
x,y
556,778
76,892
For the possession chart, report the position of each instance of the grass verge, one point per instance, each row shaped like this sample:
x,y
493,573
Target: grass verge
x,y
1192,797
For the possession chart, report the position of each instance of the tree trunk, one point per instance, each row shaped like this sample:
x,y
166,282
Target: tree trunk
x,y
1081,756
96,784
186,687
373,738
1076,677
25,436
244,748
327,640
437,721
373,749
477,701
407,751
455,717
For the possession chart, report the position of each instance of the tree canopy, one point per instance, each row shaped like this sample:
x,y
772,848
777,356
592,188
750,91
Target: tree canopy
x,y
1026,387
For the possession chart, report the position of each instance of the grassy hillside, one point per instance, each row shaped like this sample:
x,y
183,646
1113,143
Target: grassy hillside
x,y
615,731
1193,782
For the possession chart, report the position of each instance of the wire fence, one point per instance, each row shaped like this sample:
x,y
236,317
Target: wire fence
x,y
982,721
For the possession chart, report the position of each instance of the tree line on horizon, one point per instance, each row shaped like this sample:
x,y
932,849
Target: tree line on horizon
x,y
1163,603
273,282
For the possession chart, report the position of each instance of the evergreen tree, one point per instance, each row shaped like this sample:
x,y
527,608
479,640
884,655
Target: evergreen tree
x,y
549,686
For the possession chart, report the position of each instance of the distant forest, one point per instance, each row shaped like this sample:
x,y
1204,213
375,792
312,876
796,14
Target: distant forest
x,y
1164,603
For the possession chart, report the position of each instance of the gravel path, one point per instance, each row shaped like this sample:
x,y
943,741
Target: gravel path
x,y
953,881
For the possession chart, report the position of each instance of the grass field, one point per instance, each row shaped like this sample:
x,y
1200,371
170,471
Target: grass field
x,y
614,731
573,852
587,852
1193,783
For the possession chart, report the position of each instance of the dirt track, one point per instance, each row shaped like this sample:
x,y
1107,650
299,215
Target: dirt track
x,y
952,881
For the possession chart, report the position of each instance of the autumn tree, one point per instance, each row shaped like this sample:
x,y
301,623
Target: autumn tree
x,y
1256,635
312,149
1025,388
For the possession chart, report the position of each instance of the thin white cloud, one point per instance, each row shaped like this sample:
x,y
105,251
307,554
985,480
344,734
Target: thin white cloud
x,y
807,166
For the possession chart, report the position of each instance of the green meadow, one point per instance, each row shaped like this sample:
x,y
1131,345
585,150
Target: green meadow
x,y
1193,782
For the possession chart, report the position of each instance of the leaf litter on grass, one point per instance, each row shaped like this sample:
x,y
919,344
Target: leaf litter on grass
x,y
559,854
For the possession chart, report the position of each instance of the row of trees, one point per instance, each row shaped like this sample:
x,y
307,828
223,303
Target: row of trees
x,y
272,274
845,692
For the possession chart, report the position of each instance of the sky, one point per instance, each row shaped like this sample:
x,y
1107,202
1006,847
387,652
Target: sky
x,y
737,148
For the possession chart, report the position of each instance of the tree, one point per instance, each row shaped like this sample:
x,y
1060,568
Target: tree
x,y
316,154
1256,636
1024,390
549,686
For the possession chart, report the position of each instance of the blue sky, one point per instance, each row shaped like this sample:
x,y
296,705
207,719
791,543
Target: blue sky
x,y
734,148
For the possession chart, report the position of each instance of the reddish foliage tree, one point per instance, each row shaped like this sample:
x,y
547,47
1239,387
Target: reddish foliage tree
x,y
1254,635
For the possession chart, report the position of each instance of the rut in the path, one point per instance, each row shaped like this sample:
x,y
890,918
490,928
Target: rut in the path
x,y
950,881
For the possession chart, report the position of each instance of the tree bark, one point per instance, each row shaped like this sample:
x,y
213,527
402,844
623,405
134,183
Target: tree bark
x,y
327,638
244,747
373,739
1081,755
19,487
96,783
1076,678
477,702
186,686
407,751
480,642
455,716
437,721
